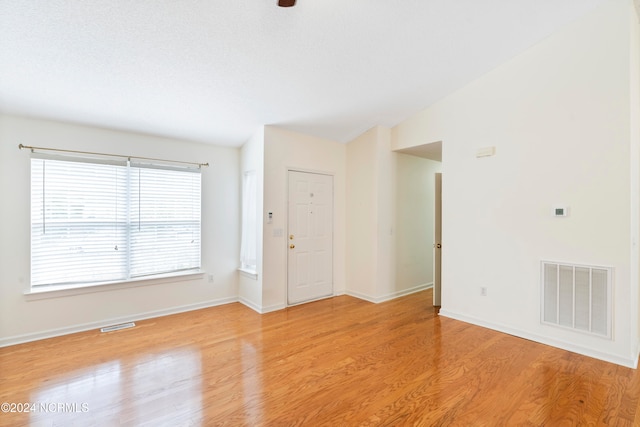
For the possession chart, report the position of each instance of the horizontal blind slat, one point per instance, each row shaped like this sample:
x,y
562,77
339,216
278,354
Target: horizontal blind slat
x,y
94,222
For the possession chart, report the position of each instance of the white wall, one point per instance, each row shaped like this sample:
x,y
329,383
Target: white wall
x,y
634,158
559,117
362,211
23,319
252,159
284,150
415,199
386,286
376,235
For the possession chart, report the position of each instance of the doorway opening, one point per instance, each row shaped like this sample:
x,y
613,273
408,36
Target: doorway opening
x,y
418,233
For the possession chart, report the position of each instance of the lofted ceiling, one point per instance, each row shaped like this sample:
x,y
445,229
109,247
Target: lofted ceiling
x,y
214,71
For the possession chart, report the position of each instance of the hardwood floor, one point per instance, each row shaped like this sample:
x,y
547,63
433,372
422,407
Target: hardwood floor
x,y
336,362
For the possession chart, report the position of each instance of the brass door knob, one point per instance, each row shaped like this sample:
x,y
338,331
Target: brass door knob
x,y
438,246
291,246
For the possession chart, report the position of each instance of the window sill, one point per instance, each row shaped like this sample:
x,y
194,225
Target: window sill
x,y
45,292
251,274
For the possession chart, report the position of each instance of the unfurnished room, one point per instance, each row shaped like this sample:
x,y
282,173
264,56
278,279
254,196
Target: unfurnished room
x,y
305,213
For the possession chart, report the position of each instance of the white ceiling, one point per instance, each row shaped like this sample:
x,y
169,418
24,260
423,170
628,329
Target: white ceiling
x,y
214,71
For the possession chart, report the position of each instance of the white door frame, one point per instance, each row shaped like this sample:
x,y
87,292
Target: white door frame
x,y
437,244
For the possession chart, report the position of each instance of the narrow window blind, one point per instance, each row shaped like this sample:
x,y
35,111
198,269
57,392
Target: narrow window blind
x,y
108,221
249,243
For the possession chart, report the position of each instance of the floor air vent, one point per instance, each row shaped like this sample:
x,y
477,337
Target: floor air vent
x,y
118,327
577,297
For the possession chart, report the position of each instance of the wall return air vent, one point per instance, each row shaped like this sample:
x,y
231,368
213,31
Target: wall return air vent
x,y
577,297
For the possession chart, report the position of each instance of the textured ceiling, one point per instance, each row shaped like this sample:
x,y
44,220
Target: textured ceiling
x,y
214,71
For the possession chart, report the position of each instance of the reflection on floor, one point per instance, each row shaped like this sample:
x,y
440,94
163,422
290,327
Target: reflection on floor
x,y
340,361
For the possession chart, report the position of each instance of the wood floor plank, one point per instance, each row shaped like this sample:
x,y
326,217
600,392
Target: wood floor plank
x,y
335,362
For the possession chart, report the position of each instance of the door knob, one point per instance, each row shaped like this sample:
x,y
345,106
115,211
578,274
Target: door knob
x,y
291,246
438,245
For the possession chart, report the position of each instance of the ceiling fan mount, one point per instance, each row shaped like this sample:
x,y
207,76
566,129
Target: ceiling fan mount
x,y
286,3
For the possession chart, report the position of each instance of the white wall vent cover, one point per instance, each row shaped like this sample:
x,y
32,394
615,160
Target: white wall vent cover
x,y
577,297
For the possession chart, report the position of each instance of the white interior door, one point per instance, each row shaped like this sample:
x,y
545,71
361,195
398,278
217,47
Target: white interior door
x,y
310,237
437,244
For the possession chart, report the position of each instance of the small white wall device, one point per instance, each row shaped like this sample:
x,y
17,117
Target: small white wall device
x,y
485,152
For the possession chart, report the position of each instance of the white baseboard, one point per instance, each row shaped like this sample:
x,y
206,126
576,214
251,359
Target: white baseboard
x,y
275,307
630,362
260,309
51,333
389,297
253,306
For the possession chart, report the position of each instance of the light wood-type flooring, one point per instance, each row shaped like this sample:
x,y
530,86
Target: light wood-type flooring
x,y
335,362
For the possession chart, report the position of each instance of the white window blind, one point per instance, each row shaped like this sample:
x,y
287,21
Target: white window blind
x,y
248,246
110,221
